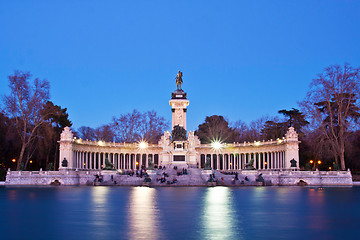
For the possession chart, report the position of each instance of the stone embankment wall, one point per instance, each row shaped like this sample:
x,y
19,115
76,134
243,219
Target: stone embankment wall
x,y
197,177
312,178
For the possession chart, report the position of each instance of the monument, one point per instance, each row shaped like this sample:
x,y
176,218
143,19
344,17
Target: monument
x,y
273,160
182,143
179,146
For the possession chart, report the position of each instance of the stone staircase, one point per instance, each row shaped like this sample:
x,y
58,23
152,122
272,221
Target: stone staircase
x,y
193,178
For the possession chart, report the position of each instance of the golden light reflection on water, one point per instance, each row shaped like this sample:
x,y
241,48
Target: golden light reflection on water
x,y
143,214
99,195
219,220
99,208
317,218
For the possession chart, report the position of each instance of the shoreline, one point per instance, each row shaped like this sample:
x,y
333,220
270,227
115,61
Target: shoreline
x,y
180,186
171,178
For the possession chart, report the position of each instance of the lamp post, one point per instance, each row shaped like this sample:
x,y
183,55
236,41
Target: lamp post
x,y
313,164
14,161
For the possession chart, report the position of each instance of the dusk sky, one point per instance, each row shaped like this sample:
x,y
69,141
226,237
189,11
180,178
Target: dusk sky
x,y
240,59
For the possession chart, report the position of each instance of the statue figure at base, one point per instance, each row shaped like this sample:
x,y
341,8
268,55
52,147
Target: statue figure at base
x,y
207,165
293,163
250,165
108,165
260,178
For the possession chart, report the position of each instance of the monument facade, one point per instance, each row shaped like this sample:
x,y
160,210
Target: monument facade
x,y
272,161
179,147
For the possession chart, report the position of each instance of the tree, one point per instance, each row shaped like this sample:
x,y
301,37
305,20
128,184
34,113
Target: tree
x,y
241,129
136,126
216,128
9,142
256,127
87,133
178,133
274,130
47,147
332,104
296,119
105,133
25,104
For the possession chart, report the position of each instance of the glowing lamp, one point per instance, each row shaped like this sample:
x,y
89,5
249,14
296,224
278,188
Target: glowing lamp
x,y
216,145
14,160
319,162
143,145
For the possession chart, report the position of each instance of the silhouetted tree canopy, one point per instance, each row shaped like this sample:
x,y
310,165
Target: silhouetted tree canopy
x,y
216,128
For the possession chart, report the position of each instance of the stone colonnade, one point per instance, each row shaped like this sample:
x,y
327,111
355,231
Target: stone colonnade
x,y
96,160
237,161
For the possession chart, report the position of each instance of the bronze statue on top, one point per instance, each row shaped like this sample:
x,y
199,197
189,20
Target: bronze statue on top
x,y
179,80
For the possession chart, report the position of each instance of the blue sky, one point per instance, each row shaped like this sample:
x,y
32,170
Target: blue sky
x,y
240,59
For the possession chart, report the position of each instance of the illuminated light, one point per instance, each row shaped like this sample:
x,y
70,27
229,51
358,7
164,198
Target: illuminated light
x,y
101,165
219,205
216,145
78,140
257,143
14,160
329,168
84,164
31,161
319,162
279,140
311,161
137,163
143,145
143,213
100,143
265,163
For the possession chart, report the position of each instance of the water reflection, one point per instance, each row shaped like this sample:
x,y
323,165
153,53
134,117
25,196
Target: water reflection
x,y
99,207
317,216
143,214
12,195
219,220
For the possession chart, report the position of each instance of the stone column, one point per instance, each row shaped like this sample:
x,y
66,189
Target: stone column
x,y
89,160
86,160
273,160
255,162
217,162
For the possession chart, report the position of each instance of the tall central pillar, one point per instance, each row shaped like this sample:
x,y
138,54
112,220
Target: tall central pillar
x,y
178,105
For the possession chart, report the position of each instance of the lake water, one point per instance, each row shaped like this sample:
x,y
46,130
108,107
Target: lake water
x,y
179,213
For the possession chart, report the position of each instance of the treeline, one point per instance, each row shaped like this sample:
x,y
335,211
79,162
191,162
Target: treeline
x,y
30,125
130,127
327,124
